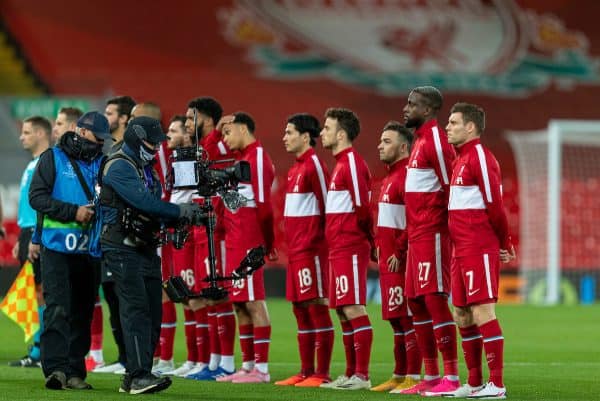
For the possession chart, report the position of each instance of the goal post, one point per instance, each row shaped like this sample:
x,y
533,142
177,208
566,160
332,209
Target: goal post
x,y
559,181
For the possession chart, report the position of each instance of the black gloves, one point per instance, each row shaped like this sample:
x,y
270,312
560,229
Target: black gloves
x,y
187,211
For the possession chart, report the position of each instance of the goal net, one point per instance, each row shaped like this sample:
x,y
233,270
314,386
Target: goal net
x,y
559,194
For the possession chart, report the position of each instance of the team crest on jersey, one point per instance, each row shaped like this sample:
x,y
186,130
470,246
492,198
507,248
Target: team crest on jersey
x,y
389,45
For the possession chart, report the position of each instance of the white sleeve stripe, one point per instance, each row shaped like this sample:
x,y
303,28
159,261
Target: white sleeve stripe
x,y
321,176
354,175
162,158
222,148
260,172
484,172
440,154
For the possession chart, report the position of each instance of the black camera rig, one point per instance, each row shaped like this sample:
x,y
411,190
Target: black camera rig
x,y
178,291
192,170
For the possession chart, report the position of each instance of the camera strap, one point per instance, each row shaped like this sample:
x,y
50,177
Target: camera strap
x,y
84,185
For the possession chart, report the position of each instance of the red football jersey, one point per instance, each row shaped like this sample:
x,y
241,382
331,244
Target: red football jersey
x,y
253,224
348,217
477,220
391,238
428,181
304,212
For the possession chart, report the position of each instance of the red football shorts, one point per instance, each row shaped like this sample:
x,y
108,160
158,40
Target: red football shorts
x,y
307,278
201,262
428,265
393,299
475,279
251,288
348,284
183,263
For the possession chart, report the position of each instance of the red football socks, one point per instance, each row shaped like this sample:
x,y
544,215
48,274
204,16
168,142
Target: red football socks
x,y
493,344
472,346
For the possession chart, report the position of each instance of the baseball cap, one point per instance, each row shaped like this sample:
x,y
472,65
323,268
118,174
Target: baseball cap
x,y
147,128
95,122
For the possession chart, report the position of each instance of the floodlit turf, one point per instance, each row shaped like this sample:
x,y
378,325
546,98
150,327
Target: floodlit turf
x,y
552,353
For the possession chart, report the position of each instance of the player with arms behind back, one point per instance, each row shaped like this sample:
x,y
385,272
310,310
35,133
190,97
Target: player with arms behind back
x,y
479,231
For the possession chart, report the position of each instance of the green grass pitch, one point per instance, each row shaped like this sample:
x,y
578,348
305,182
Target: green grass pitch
x,y
551,353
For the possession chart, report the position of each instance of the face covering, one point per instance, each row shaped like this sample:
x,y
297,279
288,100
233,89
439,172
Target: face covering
x,y
79,147
147,154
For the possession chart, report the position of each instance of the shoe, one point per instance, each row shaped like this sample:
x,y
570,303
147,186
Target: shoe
x,y
26,362
125,384
91,363
108,368
489,392
198,367
56,381
389,384
77,383
181,371
163,366
464,391
120,371
254,376
313,381
209,375
340,379
354,383
406,384
149,384
291,381
446,386
421,387
233,376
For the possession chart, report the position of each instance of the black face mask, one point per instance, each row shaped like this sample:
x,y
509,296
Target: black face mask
x,y
79,147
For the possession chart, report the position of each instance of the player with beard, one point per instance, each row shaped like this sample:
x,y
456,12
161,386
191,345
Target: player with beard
x,y
349,233
118,113
215,324
307,274
428,266
392,246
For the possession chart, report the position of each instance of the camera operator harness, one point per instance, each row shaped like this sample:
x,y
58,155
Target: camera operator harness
x,y
131,227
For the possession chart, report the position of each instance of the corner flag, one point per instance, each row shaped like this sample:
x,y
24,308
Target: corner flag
x,y
20,303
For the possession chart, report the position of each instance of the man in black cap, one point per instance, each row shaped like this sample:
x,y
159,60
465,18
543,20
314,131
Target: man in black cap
x,y
61,192
132,215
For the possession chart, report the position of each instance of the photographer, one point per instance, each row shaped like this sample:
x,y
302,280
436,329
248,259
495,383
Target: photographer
x,y
250,226
60,191
132,214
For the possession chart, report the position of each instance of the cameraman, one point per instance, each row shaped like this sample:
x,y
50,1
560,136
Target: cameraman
x,y
61,188
132,213
250,226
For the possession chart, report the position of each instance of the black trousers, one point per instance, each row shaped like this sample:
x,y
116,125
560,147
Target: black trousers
x,y
110,295
69,290
137,277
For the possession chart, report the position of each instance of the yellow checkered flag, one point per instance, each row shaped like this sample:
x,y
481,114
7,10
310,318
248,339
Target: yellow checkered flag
x,y
20,303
